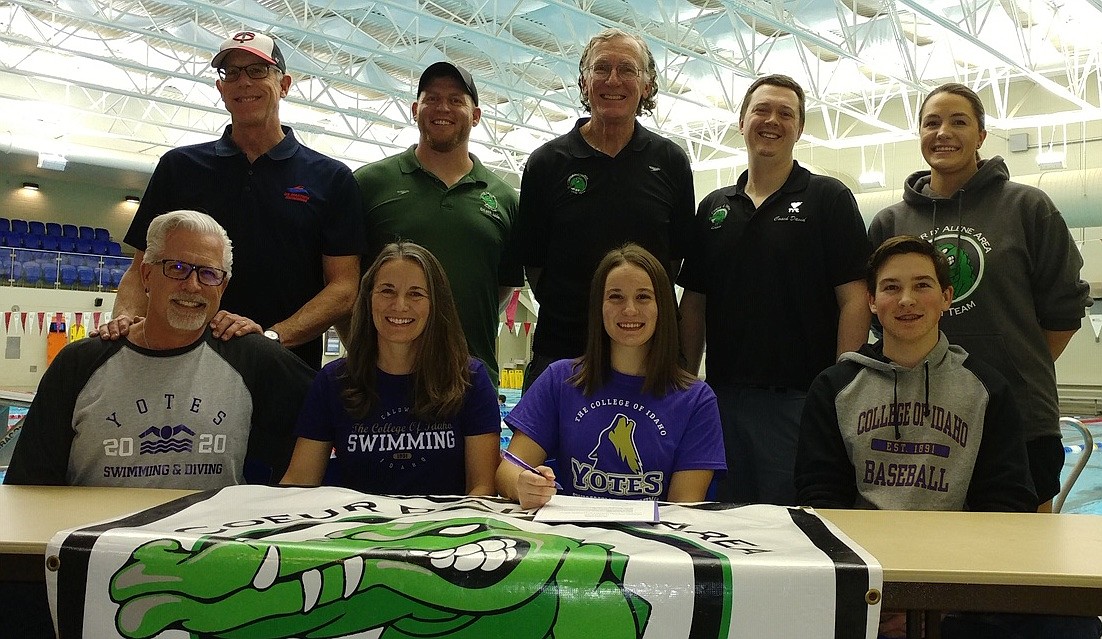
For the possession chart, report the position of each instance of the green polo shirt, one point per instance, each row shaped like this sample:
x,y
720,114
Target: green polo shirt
x,y
466,227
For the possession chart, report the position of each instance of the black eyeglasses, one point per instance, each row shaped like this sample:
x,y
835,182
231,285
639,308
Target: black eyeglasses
x,y
257,71
177,270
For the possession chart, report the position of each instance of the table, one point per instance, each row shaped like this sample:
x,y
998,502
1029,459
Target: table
x,y
931,560
30,515
993,562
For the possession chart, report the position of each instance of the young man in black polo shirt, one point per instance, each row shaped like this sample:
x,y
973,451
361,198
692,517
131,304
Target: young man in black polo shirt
x,y
776,290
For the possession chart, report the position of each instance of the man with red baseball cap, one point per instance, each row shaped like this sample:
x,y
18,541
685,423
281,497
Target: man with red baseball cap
x,y
292,213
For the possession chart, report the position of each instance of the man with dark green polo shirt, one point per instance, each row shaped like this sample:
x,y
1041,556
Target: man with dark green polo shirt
x,y
438,195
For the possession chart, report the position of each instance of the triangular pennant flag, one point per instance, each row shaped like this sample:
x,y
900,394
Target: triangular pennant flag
x,y
1096,324
41,321
527,328
23,321
95,319
7,321
511,307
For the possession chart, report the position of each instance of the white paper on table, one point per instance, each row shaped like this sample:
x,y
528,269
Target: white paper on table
x,y
564,508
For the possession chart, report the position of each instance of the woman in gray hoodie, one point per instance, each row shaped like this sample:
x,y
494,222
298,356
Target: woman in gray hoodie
x,y
1018,297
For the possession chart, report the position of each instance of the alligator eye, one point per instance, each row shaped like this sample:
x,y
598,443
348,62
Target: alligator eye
x,y
458,531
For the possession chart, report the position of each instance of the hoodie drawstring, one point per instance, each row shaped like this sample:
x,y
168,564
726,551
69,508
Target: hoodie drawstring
x,y
895,403
926,407
895,397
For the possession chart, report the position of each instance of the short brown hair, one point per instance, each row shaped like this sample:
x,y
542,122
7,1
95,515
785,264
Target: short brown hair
x,y
957,89
904,245
777,80
663,368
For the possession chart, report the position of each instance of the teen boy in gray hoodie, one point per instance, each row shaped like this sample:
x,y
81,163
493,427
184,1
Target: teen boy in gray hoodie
x,y
912,422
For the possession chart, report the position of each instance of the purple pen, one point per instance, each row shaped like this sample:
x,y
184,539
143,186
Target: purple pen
x,y
510,457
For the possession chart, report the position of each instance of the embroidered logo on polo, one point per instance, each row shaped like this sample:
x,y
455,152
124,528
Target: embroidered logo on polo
x,y
577,183
489,205
793,213
297,193
966,249
654,169
718,215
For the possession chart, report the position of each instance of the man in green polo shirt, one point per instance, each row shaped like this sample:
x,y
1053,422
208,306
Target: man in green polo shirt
x,y
438,195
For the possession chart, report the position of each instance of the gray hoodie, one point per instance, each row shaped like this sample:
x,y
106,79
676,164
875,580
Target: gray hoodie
x,y
1015,271
943,435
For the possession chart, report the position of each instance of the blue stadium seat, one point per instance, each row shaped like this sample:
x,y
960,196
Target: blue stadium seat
x,y
70,230
67,244
84,246
32,241
36,227
5,224
4,237
49,272
99,247
116,276
86,276
19,226
54,229
50,243
102,234
68,274
114,248
86,233
16,271
32,273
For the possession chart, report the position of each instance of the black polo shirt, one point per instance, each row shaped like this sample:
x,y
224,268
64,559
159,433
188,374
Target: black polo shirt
x,y
769,276
282,212
577,204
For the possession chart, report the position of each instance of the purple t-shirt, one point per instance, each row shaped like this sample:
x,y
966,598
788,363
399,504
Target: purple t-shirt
x,y
620,443
392,452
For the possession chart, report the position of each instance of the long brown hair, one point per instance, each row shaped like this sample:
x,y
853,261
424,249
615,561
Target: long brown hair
x,y
663,368
441,374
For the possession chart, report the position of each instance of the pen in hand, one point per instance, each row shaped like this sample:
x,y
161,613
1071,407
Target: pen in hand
x,y
517,461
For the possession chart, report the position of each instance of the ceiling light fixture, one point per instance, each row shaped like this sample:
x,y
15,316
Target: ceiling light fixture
x,y
871,179
51,161
30,186
132,199
1051,159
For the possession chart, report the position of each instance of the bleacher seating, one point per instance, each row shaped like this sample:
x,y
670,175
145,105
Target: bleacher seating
x,y
52,254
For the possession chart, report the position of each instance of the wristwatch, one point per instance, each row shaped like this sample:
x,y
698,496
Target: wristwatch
x,y
272,335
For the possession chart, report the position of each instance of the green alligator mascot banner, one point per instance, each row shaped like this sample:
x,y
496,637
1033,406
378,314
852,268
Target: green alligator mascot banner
x,y
251,562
